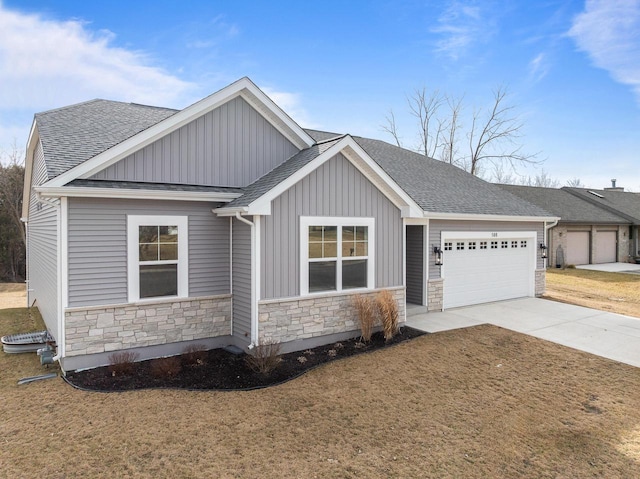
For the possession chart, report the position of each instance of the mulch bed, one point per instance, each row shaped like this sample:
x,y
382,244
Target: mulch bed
x,y
218,369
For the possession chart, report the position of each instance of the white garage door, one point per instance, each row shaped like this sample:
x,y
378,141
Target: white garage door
x,y
480,269
577,247
605,247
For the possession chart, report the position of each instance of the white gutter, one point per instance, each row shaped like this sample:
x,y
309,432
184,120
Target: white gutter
x,y
90,192
481,217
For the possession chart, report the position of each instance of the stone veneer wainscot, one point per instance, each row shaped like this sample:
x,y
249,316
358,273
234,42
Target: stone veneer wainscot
x,y
90,330
285,320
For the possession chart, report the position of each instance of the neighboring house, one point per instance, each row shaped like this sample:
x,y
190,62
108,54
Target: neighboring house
x,y
596,226
622,203
150,229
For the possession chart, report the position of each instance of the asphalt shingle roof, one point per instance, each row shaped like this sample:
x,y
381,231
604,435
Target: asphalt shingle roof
x,y
137,185
570,208
443,188
76,133
281,173
622,203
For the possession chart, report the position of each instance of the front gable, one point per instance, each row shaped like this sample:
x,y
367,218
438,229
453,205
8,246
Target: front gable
x,y
243,88
232,145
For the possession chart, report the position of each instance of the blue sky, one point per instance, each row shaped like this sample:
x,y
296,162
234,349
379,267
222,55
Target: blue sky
x,y
572,67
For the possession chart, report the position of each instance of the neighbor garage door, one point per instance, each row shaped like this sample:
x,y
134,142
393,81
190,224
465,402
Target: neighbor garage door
x,y
577,247
481,269
605,247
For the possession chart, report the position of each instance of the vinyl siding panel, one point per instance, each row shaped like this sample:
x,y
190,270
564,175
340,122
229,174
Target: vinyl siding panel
x,y
232,145
336,188
42,241
415,264
241,281
436,227
97,248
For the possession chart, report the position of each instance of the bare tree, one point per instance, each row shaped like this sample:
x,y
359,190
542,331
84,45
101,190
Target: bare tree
x,y
450,153
391,128
575,183
492,139
494,136
542,180
424,107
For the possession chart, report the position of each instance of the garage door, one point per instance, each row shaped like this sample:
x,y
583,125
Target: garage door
x,y
577,247
480,269
605,247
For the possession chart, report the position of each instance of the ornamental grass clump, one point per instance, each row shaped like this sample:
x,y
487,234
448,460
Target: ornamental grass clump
x,y
366,315
388,312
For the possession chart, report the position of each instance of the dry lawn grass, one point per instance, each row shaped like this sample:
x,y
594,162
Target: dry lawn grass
x,y
13,295
613,292
475,403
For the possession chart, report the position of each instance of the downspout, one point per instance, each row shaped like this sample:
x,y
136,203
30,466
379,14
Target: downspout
x,y
58,208
26,249
253,291
547,227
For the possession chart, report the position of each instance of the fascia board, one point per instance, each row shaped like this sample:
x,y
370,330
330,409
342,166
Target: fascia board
x,y
482,217
81,192
383,181
230,211
176,121
373,172
32,142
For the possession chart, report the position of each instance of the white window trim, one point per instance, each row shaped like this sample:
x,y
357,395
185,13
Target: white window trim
x,y
133,253
306,221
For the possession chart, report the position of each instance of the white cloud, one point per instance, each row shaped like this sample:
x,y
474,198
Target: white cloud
x,y
46,63
538,67
292,105
609,32
461,25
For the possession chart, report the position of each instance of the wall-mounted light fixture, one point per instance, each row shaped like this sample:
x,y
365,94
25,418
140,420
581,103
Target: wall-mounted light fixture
x,y
438,253
543,250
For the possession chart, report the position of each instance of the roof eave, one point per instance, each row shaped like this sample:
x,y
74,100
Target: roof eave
x,y
90,192
488,217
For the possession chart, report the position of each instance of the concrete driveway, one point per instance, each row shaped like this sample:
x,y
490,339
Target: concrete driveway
x,y
609,335
612,267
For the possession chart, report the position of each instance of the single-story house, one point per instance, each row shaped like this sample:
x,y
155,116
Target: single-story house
x,y
596,226
150,229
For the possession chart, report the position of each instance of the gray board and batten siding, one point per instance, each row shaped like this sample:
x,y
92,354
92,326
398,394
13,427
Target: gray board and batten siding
x,y
241,288
42,230
415,264
436,227
232,145
97,247
336,188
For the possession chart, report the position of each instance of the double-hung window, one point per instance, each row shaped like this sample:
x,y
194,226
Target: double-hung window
x,y
336,254
157,257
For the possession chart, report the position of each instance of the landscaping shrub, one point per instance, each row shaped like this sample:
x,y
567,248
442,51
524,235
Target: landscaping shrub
x,y
265,357
166,367
366,315
194,355
388,311
122,362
